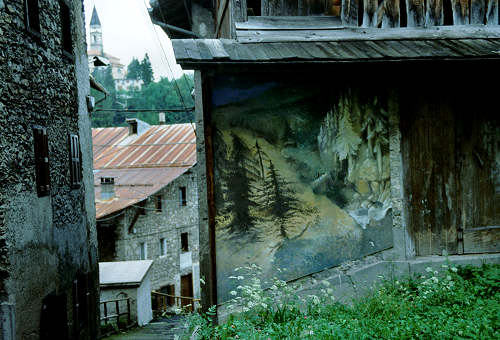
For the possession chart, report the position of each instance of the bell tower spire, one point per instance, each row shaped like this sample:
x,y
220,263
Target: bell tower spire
x,y
96,33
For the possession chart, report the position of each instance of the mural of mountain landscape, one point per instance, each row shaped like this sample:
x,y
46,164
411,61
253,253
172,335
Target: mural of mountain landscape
x,y
302,180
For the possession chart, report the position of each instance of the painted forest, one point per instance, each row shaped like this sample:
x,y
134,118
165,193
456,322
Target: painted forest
x,y
301,184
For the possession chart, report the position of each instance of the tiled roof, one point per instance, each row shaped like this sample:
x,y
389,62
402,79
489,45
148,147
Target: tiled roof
x,y
140,165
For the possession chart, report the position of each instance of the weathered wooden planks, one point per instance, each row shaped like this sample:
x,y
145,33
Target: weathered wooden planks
x,y
349,12
289,23
492,13
477,11
415,13
370,13
434,15
481,240
389,15
460,12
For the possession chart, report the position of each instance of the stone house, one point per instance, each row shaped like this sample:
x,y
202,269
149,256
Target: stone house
x,y
341,139
48,241
147,201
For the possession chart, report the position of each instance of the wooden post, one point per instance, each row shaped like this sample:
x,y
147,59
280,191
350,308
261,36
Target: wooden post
x,y
460,12
434,14
415,13
264,7
105,314
117,306
477,11
492,13
129,321
389,14
370,13
240,10
349,13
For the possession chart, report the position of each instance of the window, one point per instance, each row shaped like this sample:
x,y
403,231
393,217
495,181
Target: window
x,y
144,251
75,163
32,16
182,196
42,171
158,203
184,242
66,39
163,247
170,290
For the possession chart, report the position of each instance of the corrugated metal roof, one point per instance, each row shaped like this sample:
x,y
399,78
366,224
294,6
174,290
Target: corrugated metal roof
x,y
343,45
159,146
141,165
132,186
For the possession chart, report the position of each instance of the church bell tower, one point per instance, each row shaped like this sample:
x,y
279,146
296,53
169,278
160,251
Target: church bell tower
x,y
96,33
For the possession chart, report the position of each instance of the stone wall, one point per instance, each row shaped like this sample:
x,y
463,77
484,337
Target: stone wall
x,y
168,224
45,242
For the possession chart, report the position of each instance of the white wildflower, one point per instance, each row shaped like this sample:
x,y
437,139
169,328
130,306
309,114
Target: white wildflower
x,y
454,269
233,292
428,269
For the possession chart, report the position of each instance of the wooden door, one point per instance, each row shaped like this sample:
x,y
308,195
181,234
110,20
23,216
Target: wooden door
x,y
186,289
451,167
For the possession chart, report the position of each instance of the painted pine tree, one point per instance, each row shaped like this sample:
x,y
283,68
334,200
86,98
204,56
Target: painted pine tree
x,y
281,201
241,174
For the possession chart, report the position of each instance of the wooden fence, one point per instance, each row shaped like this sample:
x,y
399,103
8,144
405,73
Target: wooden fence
x,y
164,301
418,13
110,314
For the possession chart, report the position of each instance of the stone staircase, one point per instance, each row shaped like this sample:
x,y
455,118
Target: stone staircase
x,y
161,329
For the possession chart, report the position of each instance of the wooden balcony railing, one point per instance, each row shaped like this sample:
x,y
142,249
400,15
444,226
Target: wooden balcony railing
x,y
164,301
112,316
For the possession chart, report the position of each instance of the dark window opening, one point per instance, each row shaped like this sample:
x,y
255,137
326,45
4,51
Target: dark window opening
x,y
183,198
184,242
133,128
142,208
253,8
66,39
54,317
80,304
75,161
144,251
163,247
32,16
403,22
158,203
169,290
42,171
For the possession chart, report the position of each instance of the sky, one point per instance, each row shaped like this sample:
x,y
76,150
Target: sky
x,y
127,32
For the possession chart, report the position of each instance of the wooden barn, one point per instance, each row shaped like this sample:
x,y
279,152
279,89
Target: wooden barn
x,y
332,130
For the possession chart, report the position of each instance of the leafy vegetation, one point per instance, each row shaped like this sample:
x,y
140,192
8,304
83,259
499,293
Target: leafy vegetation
x,y
163,94
456,303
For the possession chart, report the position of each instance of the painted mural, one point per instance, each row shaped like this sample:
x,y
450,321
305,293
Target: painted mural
x,y
302,179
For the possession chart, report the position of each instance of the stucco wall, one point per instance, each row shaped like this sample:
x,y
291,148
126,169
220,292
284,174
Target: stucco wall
x,y
168,224
45,241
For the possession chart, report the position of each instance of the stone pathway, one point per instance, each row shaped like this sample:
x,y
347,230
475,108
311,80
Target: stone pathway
x,y
163,329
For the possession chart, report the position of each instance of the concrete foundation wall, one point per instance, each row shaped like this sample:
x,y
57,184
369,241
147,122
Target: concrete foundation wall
x,y
46,242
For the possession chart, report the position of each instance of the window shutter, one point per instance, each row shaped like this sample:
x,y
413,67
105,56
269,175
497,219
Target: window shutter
x,y
75,162
42,171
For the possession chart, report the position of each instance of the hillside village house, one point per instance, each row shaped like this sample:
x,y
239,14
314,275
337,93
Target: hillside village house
x,y
147,202
48,241
354,133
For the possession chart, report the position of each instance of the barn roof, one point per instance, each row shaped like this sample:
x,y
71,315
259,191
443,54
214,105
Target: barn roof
x,y
141,165
338,44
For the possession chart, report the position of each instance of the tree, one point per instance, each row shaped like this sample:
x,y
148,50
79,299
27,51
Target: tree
x,y
146,70
281,201
240,177
134,69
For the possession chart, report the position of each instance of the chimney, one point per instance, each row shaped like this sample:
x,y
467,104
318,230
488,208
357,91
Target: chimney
x,y
107,188
161,118
136,126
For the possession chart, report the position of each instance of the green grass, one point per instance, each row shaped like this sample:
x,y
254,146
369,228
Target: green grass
x,y
456,303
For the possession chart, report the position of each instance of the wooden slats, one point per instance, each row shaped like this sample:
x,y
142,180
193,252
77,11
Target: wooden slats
x,y
370,13
477,11
289,23
349,12
460,10
434,13
415,13
371,49
492,13
390,13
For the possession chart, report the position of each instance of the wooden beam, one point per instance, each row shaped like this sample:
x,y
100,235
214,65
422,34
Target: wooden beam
x,y
415,13
434,15
492,13
477,11
220,15
389,15
349,13
264,7
460,12
240,10
370,13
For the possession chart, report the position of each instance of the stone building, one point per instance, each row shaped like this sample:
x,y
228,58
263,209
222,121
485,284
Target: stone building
x,y
341,139
147,201
48,242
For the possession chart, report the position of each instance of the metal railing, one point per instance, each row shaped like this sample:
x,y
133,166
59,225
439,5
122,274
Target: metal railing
x,y
164,301
108,313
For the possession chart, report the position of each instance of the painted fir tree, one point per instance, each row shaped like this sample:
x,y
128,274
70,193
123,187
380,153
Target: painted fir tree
x,y
280,200
240,176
